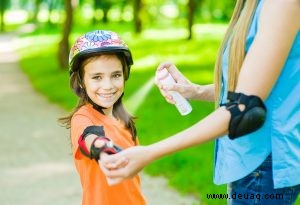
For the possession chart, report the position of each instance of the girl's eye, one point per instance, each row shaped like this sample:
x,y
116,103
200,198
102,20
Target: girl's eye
x,y
97,77
118,75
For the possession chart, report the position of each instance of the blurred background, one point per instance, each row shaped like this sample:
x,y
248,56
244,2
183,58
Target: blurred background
x,y
186,32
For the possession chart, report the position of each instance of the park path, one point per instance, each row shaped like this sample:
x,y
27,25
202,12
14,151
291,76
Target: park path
x,y
35,160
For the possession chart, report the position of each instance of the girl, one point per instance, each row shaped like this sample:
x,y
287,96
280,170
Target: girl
x,y
256,122
99,66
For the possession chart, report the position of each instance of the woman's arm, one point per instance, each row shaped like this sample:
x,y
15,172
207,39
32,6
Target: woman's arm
x,y
278,26
277,29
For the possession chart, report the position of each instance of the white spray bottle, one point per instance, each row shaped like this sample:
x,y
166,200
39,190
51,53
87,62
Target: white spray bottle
x,y
182,105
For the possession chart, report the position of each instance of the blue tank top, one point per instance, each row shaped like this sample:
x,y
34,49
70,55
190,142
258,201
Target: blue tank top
x,y
280,135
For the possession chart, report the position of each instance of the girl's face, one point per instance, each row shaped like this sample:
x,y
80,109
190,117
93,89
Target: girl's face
x,y
104,81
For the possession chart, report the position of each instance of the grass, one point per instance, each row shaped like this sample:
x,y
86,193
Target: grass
x,y
190,171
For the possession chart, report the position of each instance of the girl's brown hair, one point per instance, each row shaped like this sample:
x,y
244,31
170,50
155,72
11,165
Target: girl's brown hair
x,y
76,84
236,34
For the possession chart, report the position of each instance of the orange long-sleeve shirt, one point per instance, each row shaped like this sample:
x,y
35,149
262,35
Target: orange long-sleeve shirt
x,y
95,189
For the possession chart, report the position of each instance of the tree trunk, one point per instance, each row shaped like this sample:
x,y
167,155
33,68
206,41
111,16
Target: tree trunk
x,y
191,12
2,11
63,52
37,4
137,7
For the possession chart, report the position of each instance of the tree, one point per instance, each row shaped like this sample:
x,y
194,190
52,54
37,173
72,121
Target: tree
x,y
3,4
63,52
137,8
37,4
105,5
192,7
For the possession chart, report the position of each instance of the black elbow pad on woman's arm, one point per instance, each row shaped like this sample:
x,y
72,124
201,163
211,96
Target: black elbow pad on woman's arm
x,y
250,119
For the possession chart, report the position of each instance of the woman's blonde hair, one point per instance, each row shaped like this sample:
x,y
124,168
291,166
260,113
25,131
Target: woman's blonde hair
x,y
237,33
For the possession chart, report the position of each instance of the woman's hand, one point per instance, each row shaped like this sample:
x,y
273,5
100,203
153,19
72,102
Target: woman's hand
x,y
125,164
183,86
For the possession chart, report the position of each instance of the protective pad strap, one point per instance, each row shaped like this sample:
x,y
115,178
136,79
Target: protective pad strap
x,y
82,146
96,130
94,152
108,148
248,120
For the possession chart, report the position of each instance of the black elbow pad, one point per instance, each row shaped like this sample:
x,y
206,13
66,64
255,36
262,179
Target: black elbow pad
x,y
94,152
250,119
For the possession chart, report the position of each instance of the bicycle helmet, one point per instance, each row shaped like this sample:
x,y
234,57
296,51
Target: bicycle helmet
x,y
97,42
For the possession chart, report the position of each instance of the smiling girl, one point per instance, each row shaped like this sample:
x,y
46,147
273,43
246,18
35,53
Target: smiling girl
x,y
99,66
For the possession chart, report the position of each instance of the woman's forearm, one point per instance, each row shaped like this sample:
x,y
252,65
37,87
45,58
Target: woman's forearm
x,y
211,127
204,92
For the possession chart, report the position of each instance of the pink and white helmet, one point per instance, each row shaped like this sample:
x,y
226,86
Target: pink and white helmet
x,y
97,42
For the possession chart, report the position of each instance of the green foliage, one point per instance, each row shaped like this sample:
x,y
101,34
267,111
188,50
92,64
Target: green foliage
x,y
190,171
